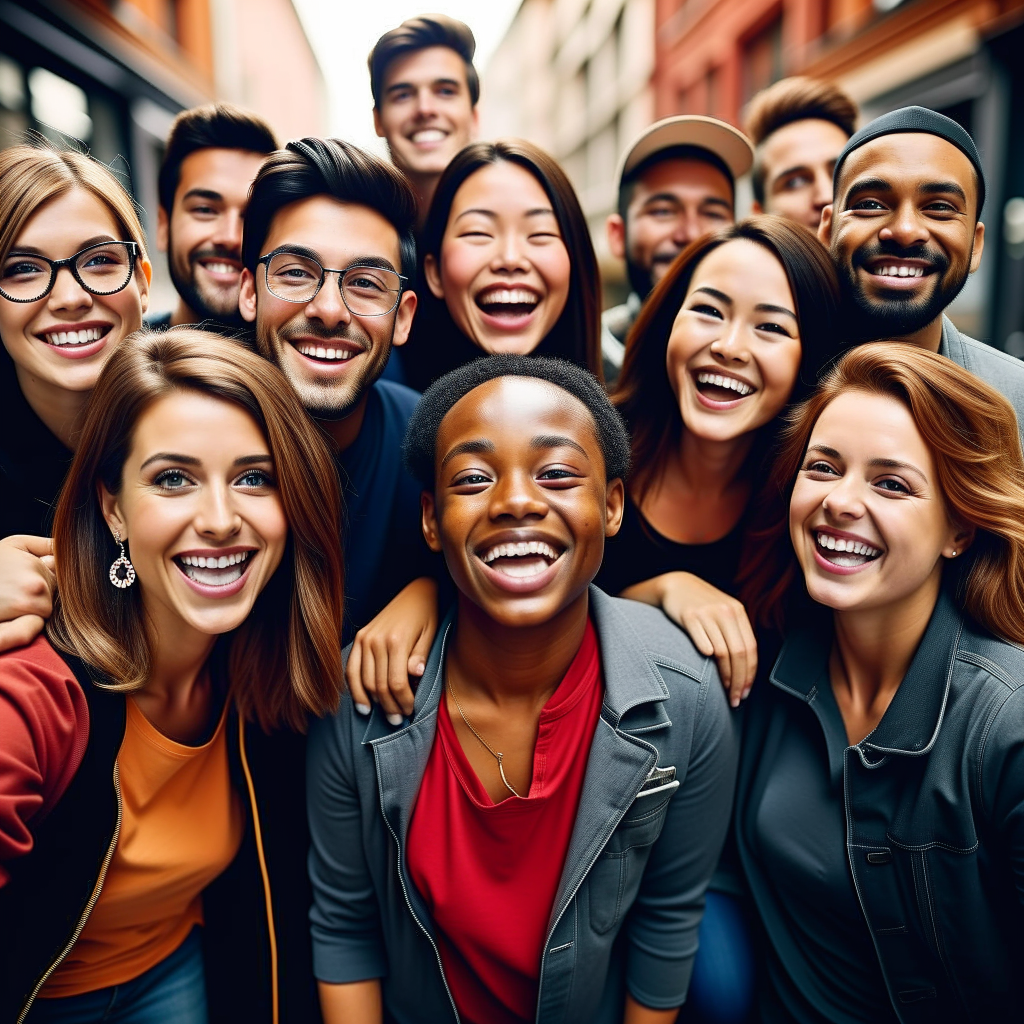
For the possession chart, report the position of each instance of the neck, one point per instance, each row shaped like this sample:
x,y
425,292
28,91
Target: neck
x,y
179,654
711,467
424,185
183,314
345,431
929,337
61,411
515,663
876,647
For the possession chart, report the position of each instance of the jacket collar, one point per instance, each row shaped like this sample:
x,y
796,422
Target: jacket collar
x,y
951,344
912,721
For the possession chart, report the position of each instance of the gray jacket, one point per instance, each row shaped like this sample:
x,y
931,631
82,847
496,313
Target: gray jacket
x,y
643,847
997,368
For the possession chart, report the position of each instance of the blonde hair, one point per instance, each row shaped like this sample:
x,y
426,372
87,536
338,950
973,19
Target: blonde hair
x,y
33,175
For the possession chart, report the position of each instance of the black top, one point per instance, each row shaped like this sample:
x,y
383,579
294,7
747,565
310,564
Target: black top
x,y
33,462
158,321
638,552
798,830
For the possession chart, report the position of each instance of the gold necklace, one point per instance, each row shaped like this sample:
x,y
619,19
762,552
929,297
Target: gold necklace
x,y
497,755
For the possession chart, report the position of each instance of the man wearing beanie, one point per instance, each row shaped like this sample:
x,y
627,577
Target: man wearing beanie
x,y
905,231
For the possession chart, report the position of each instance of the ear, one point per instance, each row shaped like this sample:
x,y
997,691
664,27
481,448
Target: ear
x,y
756,207
616,229
163,226
144,281
825,226
112,512
960,539
432,273
404,318
475,121
428,521
377,126
979,246
247,295
614,501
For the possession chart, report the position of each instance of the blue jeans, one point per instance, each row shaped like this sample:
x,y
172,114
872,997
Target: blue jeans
x,y
172,992
723,981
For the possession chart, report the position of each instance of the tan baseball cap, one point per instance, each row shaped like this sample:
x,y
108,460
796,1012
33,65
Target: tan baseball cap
x,y
729,144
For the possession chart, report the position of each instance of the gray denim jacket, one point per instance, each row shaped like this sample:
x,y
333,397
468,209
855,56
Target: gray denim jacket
x,y
643,848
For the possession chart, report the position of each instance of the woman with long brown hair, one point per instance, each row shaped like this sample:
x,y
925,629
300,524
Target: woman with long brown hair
x,y
878,811
508,265
151,774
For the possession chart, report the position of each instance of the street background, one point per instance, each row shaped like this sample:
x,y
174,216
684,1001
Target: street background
x,y
579,77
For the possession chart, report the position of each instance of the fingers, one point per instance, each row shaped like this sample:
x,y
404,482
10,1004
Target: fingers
x,y
50,562
353,676
723,631
20,631
37,546
391,659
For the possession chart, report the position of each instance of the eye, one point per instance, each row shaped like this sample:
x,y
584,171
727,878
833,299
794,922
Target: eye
x,y
173,480
893,485
820,468
471,478
474,233
545,236
941,207
663,211
795,182
24,268
714,214
706,310
559,475
255,479
868,206
773,328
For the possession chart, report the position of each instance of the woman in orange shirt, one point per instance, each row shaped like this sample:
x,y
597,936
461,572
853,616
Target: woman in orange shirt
x,y
198,623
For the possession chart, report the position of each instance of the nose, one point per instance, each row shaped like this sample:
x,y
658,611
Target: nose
x,y
688,227
517,496
426,104
845,499
822,189
327,305
67,293
511,255
228,234
731,346
904,226
216,518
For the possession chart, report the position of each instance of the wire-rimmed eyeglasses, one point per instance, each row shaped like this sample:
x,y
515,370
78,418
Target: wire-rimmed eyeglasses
x,y
366,290
101,269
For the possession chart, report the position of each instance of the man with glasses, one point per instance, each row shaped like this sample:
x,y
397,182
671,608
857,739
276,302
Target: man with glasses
x,y
327,252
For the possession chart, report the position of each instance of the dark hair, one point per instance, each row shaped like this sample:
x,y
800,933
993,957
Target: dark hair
x,y
794,99
971,431
417,34
627,186
313,167
576,335
419,447
214,126
644,395
284,661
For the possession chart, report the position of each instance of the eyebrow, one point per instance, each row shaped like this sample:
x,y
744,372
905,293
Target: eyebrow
x,y
191,460
538,212
761,307
380,262
824,449
31,250
468,448
394,87
928,188
202,193
558,441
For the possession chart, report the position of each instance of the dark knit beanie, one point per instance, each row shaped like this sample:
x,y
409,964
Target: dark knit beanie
x,y
916,119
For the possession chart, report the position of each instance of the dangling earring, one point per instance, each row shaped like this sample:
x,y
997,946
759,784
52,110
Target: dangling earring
x,y
122,572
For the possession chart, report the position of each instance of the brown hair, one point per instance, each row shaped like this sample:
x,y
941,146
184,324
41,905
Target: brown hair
x,y
284,661
419,34
576,335
33,175
644,394
971,431
794,99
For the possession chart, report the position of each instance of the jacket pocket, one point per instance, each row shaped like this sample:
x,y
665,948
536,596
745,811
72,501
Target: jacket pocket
x,y
613,881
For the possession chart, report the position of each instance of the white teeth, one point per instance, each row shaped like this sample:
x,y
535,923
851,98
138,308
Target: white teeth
x,y
74,337
221,268
320,352
731,383
214,570
429,135
847,546
520,550
509,296
215,561
901,270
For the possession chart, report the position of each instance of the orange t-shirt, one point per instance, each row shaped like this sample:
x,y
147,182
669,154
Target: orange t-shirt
x,y
181,826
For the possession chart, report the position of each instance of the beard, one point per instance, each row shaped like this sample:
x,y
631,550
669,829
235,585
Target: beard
x,y
211,307
898,314
323,397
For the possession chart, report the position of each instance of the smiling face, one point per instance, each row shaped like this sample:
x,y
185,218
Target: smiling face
x,y
329,355
504,270
867,521
521,506
64,339
426,113
200,513
734,351
903,231
798,160
203,236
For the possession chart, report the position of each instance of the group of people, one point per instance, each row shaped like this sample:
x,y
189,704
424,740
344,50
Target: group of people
x,y
390,636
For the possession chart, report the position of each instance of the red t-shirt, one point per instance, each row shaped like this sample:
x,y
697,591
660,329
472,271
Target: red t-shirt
x,y
489,872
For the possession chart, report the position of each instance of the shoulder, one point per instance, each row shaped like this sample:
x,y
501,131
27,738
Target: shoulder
x,y
37,660
397,400
987,360
617,321
993,663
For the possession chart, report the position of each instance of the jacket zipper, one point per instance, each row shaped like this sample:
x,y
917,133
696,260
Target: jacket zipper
x,y
88,907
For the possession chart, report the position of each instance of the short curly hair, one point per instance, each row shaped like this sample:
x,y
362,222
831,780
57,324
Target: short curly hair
x,y
419,447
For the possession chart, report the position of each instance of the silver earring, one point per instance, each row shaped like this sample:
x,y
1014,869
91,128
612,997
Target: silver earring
x,y
122,572
954,554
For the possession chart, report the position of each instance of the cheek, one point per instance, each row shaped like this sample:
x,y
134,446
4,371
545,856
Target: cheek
x,y
460,264
779,367
14,319
552,263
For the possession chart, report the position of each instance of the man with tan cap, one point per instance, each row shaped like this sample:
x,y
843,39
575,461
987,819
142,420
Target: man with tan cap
x,y
676,184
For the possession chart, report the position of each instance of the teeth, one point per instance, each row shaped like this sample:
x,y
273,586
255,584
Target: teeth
x,y
429,135
725,382
520,550
510,297
214,570
215,561
320,352
74,337
851,547
221,268
899,271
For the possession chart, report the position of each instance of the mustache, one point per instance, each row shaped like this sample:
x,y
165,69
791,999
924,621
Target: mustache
x,y
216,252
312,329
936,259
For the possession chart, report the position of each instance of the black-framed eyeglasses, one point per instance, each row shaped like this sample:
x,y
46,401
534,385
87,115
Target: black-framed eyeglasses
x,y
101,269
365,290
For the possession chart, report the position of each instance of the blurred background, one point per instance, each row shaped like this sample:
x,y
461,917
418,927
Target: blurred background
x,y
578,77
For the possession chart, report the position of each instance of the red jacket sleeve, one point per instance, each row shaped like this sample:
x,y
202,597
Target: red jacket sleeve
x,y
44,728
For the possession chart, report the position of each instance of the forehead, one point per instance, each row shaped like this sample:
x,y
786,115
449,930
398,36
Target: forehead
x,y
802,143
338,232
861,424
196,424
511,410
684,178
227,171
908,160
421,67
501,186
65,220
745,271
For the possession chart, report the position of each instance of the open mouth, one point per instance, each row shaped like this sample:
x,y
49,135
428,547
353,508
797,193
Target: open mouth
x,y
899,273
83,336
521,560
220,267
428,137
719,387
845,552
325,353
215,570
508,303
